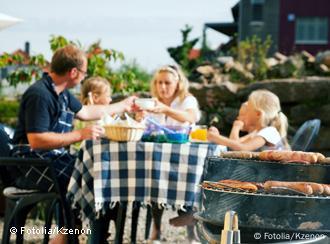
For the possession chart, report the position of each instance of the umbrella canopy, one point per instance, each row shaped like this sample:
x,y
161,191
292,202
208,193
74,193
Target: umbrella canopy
x,y
6,21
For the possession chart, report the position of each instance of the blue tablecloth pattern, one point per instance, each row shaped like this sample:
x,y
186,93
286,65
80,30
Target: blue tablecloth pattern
x,y
108,172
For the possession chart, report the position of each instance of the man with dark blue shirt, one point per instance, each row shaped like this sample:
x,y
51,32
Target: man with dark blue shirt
x,y
45,119
46,114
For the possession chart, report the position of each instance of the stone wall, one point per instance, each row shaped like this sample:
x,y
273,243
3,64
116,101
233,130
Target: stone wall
x,y
301,100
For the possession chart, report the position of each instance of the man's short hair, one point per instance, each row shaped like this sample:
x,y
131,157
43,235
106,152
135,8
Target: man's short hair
x,y
66,58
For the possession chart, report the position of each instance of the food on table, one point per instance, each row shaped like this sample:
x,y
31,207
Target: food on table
x,y
124,130
154,136
171,134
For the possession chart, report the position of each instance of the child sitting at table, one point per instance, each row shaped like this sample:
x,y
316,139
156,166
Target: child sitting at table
x,y
95,90
188,219
262,119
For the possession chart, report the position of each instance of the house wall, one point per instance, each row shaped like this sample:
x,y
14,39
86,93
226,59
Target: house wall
x,y
300,8
269,25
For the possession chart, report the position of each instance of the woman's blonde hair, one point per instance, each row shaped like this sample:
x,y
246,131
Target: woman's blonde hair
x,y
183,84
94,85
271,114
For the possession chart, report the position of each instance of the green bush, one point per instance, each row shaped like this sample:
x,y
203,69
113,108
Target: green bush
x,y
253,52
9,111
137,78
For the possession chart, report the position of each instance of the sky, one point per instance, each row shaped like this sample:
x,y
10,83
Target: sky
x,y
141,29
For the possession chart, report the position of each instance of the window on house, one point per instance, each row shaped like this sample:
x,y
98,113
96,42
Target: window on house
x,y
257,10
311,30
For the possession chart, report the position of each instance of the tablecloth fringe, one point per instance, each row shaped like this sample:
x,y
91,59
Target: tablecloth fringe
x,y
100,210
99,206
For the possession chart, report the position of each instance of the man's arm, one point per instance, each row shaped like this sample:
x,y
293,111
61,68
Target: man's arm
x,y
51,140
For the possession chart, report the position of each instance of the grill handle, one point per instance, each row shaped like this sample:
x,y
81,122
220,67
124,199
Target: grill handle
x,y
230,233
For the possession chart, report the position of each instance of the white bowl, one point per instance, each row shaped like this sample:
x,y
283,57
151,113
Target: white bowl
x,y
145,103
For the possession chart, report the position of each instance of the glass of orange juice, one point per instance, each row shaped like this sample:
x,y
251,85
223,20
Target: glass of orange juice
x,y
199,133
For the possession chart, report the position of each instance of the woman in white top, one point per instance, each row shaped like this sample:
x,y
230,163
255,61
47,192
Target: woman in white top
x,y
263,119
174,104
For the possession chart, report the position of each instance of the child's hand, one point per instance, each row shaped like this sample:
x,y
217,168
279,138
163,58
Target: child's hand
x,y
238,124
127,105
212,133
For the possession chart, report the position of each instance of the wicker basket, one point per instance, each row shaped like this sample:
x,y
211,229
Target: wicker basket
x,y
123,133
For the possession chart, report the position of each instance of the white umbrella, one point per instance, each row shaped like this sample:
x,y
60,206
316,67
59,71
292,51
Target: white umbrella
x,y
6,21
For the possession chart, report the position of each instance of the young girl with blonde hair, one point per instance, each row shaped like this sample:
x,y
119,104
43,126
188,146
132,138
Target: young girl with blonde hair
x,y
263,119
95,90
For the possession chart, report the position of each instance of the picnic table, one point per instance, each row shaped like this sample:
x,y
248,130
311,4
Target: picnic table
x,y
108,172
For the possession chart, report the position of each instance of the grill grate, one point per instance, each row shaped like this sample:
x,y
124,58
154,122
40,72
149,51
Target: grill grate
x,y
260,193
254,160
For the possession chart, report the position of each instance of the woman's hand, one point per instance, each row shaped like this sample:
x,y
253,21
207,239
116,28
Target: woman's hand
x,y
159,108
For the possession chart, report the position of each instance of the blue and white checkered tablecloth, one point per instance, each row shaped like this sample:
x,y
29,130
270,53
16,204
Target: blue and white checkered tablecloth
x,y
107,172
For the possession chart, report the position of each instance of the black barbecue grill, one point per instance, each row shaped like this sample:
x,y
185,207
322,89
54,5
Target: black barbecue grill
x,y
288,214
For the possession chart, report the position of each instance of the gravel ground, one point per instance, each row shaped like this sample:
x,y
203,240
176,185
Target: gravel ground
x,y
170,234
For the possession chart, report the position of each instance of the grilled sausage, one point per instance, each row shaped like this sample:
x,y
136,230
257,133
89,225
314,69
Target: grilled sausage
x,y
248,186
324,161
320,157
291,156
318,189
238,154
326,191
298,186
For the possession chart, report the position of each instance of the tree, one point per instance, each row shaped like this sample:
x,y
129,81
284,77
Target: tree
x,y
129,78
181,53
